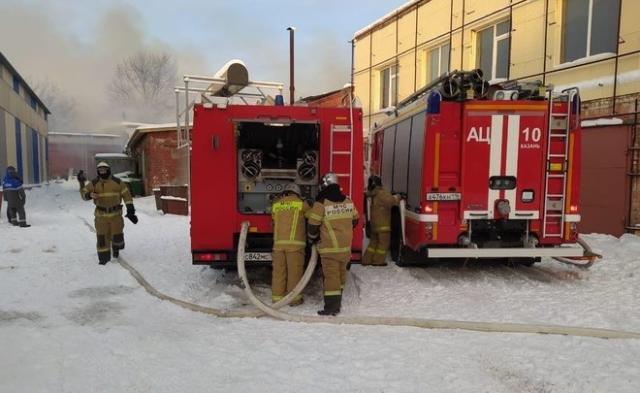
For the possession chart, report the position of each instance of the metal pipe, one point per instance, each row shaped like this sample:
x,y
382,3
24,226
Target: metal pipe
x,y
188,141
546,32
510,40
615,72
292,88
351,94
177,115
200,78
462,37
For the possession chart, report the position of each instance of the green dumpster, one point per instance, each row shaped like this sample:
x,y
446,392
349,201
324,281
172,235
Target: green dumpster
x,y
135,185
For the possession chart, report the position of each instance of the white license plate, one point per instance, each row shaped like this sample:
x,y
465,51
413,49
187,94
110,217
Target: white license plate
x,y
257,256
444,196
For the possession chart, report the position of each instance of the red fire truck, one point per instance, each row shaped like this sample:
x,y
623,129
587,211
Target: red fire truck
x,y
243,155
483,178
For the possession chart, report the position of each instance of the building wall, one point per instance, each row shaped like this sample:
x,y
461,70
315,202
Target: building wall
x,y
535,51
23,129
159,160
75,152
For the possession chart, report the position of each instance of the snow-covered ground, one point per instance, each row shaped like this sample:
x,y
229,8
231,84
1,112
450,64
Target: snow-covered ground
x,y
69,325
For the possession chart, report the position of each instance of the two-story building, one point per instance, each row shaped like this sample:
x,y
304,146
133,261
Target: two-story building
x,y
23,126
591,44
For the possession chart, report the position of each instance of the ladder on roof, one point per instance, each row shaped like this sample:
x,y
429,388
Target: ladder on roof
x,y
557,162
341,156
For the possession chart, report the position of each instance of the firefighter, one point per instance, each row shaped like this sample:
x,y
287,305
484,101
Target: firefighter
x,y
380,222
331,222
289,241
107,192
16,198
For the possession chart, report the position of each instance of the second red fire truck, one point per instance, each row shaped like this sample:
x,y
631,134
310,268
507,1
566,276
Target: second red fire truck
x,y
483,178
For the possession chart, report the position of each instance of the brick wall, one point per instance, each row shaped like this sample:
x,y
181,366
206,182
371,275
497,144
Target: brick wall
x,y
625,106
159,160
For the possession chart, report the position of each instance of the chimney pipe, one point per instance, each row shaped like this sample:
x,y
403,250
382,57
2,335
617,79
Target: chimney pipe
x,y
292,88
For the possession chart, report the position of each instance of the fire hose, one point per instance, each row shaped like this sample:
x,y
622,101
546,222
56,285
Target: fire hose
x,y
417,322
273,310
585,262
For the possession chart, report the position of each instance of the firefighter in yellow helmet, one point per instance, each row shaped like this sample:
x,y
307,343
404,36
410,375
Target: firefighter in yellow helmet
x,y
331,222
380,222
107,192
289,241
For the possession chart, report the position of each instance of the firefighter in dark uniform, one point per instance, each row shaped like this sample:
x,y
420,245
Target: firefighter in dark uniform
x,y
14,194
331,222
380,222
289,241
107,192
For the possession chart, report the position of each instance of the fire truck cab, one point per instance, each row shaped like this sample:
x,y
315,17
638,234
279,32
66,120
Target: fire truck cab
x,y
495,177
242,157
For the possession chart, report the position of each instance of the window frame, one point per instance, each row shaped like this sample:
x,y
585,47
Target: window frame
x,y
588,55
494,55
392,94
15,83
440,72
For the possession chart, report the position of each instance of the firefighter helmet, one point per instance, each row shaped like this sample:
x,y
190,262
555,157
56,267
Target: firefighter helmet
x,y
293,187
328,179
374,181
104,170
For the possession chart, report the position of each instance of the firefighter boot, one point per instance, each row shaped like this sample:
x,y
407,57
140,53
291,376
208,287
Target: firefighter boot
x,y
104,257
115,253
331,305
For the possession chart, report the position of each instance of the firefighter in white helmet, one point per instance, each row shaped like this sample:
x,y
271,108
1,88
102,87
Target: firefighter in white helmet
x,y
107,192
289,241
331,222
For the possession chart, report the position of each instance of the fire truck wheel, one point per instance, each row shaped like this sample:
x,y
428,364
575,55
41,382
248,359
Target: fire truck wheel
x,y
407,257
396,234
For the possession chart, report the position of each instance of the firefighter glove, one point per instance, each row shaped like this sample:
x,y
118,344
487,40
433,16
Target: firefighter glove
x,y
131,214
81,178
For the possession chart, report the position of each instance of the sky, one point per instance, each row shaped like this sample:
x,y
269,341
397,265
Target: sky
x,y
77,44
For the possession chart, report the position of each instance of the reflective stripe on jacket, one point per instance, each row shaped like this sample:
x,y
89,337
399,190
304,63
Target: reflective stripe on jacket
x,y
289,232
381,203
110,194
336,225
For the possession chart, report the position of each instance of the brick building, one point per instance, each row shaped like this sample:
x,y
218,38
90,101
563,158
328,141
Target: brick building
x,y
332,99
154,147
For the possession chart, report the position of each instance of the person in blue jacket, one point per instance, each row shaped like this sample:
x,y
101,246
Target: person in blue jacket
x,y
15,196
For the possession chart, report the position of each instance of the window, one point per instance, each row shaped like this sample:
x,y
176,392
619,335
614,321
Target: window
x,y
388,86
437,62
16,84
34,103
590,27
493,51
